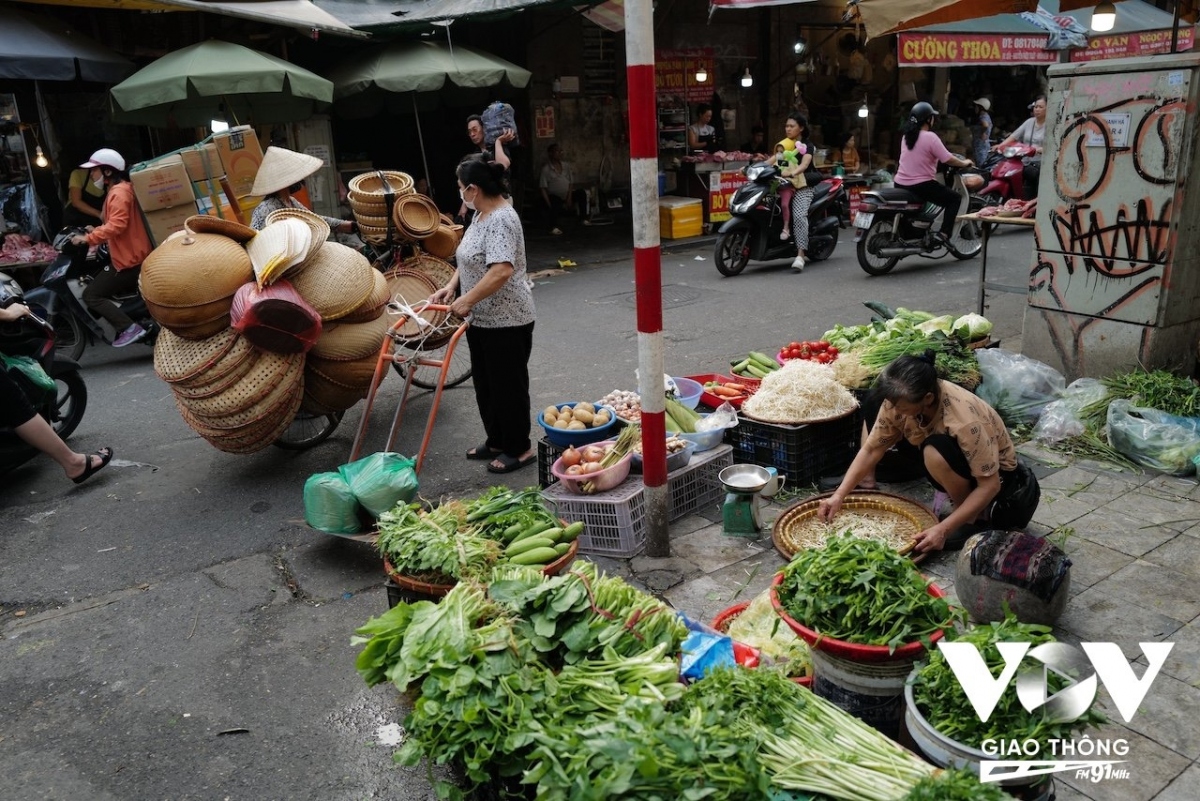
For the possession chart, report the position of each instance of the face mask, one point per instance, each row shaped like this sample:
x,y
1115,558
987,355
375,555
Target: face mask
x,y
469,204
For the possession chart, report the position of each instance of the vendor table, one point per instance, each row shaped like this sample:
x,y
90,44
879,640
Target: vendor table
x,y
988,224
28,274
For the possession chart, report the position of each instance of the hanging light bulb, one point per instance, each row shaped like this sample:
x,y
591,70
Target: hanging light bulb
x,y
1104,17
41,159
701,75
218,125
863,111
747,79
799,45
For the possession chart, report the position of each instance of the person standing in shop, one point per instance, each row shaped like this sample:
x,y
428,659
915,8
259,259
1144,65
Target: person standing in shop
x,y
128,245
983,129
558,190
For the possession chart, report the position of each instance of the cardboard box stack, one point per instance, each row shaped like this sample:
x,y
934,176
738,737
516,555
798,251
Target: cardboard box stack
x,y
205,179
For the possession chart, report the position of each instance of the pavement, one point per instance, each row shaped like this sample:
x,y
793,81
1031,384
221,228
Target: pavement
x,y
172,629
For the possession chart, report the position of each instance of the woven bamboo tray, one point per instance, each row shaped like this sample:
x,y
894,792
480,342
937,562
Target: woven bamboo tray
x,y
798,527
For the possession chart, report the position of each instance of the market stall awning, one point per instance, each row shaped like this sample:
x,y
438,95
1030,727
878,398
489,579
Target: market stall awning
x,y
34,47
383,17
1010,39
880,17
301,14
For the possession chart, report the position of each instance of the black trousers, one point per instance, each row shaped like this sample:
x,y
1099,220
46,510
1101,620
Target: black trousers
x,y
1030,175
15,409
558,206
500,373
941,195
108,282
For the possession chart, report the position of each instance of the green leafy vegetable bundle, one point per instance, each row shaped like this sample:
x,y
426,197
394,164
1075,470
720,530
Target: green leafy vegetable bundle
x,y
577,615
940,698
955,785
861,591
1158,389
434,545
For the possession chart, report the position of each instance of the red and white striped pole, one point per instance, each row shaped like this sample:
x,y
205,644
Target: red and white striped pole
x,y
647,266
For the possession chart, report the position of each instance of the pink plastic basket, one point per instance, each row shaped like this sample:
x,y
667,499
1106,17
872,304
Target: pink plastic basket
x,y
604,480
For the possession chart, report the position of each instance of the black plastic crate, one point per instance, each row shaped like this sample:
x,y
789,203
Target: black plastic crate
x,y
548,454
804,453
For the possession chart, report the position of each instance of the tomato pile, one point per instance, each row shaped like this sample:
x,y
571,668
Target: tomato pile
x,y
814,351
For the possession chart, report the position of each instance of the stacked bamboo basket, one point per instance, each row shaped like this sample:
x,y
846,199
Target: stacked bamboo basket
x,y
390,211
237,396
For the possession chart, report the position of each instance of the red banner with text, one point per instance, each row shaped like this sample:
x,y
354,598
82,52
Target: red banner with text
x,y
1142,43
721,186
675,74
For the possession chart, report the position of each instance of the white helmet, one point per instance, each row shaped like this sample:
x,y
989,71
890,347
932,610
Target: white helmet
x,y
106,157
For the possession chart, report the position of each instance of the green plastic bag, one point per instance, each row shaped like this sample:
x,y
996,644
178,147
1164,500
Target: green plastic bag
x,y
381,481
329,505
30,375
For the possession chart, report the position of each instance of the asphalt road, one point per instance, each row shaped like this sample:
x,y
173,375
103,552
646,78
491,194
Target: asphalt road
x,y
172,629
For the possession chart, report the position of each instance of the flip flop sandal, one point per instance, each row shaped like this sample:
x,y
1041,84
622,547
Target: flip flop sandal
x,y
482,452
104,454
510,463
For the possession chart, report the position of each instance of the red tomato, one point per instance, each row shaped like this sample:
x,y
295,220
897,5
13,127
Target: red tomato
x,y
832,350
793,346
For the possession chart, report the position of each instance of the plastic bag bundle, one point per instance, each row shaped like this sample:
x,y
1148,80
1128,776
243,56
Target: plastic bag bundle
x,y
329,505
275,317
381,481
1060,419
497,118
1153,438
1017,386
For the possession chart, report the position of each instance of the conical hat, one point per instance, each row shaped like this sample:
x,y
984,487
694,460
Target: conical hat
x,y
281,168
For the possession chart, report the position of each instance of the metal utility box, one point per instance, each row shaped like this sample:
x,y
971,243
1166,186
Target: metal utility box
x,y
1115,280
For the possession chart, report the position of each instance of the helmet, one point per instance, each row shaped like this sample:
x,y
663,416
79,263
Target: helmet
x,y
922,113
106,157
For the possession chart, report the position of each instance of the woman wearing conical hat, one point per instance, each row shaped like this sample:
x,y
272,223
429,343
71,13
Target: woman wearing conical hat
x,y
281,174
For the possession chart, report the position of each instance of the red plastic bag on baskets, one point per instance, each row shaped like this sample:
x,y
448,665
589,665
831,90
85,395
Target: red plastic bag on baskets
x,y
275,317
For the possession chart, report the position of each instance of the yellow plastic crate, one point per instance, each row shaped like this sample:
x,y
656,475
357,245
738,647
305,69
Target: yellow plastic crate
x,y
680,217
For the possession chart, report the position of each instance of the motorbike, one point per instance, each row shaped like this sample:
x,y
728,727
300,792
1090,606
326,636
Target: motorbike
x,y
752,231
894,223
33,336
1007,178
61,295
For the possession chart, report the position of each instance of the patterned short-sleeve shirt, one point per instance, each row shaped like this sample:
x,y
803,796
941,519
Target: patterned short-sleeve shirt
x,y
496,238
974,424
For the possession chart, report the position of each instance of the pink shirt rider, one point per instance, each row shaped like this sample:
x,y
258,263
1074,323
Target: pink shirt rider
x,y
920,164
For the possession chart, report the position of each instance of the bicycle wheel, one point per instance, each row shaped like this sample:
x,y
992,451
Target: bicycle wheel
x,y
426,377
308,430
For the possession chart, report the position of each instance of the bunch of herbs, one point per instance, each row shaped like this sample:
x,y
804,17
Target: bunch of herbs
x,y
435,545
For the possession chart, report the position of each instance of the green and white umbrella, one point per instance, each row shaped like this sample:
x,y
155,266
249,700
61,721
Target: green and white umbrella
x,y
216,79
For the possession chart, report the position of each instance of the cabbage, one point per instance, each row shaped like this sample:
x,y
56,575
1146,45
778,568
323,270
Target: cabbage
x,y
970,327
945,324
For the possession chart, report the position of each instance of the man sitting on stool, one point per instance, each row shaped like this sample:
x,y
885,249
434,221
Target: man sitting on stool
x,y
558,194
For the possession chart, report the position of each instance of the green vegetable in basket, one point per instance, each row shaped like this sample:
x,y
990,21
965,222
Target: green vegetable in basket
x,y
940,698
861,591
971,327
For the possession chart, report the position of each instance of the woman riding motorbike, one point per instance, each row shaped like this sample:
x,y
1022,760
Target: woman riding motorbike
x,y
128,245
1032,132
920,153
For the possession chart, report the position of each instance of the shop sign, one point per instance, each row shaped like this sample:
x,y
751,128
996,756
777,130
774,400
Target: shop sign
x,y
675,74
721,187
1142,43
962,49
543,122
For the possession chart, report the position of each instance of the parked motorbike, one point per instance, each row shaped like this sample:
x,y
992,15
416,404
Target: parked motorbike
x,y
894,223
61,295
752,232
33,336
1007,178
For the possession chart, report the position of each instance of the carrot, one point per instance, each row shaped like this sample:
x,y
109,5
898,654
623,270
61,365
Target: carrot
x,y
725,392
735,386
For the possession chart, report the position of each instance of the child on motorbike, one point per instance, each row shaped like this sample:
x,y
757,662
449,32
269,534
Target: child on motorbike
x,y
787,156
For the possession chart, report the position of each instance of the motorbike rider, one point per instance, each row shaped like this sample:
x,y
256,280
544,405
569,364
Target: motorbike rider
x,y
18,414
1032,132
920,153
128,245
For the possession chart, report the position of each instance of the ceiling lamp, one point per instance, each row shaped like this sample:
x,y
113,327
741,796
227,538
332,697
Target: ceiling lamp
x,y
799,45
1104,17
863,111
701,75
747,79
41,160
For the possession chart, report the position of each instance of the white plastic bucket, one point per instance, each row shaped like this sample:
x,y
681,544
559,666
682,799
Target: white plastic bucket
x,y
945,752
873,692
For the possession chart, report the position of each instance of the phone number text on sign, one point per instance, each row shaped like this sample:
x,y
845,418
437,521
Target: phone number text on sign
x,y
721,188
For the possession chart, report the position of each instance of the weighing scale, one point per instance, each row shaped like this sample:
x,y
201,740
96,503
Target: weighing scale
x,y
744,485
